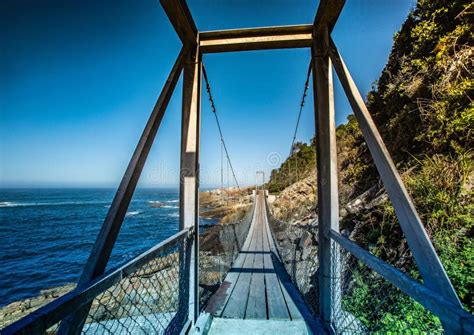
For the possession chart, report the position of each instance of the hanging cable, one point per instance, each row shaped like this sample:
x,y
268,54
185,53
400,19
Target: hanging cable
x,y
305,93
222,166
213,107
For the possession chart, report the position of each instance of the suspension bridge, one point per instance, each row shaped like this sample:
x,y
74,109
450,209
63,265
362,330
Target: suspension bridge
x,y
247,289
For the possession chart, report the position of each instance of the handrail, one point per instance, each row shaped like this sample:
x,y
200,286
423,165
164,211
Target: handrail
x,y
270,216
448,312
48,315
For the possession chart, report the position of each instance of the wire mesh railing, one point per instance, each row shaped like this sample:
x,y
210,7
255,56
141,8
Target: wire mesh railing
x,y
146,301
298,249
147,295
365,302
219,247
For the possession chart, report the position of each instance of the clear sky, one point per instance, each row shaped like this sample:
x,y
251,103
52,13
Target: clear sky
x,y
78,80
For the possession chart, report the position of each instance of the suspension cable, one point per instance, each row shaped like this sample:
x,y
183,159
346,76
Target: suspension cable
x,y
305,93
213,107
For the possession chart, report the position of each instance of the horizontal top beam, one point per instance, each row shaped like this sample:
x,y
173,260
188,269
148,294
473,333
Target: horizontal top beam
x,y
181,19
279,37
327,15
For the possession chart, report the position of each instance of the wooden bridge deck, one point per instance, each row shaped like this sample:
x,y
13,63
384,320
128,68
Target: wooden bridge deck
x,y
257,286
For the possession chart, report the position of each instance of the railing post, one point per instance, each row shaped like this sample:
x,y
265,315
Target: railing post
x,y
189,171
328,203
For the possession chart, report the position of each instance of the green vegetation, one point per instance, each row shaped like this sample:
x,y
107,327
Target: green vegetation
x,y
423,107
295,167
383,309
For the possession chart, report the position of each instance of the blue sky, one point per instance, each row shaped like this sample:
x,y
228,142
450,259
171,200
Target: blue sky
x,y
78,80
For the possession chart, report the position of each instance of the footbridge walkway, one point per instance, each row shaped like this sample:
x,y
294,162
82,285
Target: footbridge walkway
x,y
258,290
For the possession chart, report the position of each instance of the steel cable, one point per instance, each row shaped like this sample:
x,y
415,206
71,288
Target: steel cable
x,y
214,111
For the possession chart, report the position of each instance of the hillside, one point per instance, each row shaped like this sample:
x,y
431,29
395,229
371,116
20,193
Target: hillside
x,y
422,106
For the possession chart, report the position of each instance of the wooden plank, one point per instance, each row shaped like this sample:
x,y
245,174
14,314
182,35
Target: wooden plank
x,y
256,32
458,320
276,301
290,304
182,21
219,300
296,305
285,281
189,167
326,153
107,236
237,304
256,327
257,306
277,308
256,39
327,15
257,43
430,266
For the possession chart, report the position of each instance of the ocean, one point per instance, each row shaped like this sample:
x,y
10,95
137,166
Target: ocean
x,y
46,234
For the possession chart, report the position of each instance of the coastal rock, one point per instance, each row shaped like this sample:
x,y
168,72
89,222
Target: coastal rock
x,y
228,205
18,309
295,203
157,204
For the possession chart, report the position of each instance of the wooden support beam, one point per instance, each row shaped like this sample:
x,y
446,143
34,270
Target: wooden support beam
x,y
181,19
105,241
327,15
328,202
256,39
189,170
430,266
451,314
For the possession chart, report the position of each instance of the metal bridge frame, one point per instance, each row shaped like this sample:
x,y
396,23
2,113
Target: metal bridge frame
x,y
435,293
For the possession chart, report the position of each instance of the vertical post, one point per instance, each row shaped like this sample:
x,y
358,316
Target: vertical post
x,y
189,171
328,203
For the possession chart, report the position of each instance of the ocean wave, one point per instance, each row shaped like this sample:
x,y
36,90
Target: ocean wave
x,y
160,204
174,215
8,204
174,200
4,204
133,213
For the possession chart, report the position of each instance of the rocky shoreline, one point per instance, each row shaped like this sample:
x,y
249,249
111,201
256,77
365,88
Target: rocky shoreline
x,y
16,310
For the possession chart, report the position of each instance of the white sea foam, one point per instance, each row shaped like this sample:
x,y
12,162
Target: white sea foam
x,y
132,213
21,204
8,204
174,200
162,202
174,215
60,203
